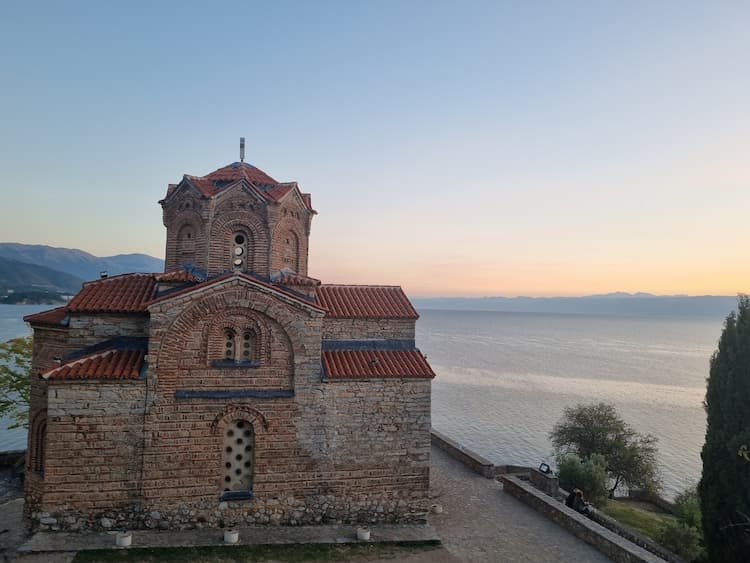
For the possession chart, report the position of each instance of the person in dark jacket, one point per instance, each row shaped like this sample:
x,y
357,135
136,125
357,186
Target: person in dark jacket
x,y
571,497
580,505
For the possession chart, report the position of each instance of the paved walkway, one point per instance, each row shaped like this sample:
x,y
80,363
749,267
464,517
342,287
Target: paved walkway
x,y
479,523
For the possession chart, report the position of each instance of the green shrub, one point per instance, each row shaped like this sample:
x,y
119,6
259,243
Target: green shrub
x,y
688,505
681,539
589,475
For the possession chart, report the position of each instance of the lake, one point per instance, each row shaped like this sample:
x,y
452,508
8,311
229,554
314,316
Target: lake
x,y
503,380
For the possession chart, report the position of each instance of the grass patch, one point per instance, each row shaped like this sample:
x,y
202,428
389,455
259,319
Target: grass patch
x,y
642,521
256,553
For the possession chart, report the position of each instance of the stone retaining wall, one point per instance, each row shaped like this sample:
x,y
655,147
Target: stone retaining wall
x,y
472,460
636,538
611,544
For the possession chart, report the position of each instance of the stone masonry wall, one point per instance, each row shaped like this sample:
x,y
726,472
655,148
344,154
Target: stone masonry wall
x,y
93,452
48,343
87,329
324,451
337,329
238,212
374,466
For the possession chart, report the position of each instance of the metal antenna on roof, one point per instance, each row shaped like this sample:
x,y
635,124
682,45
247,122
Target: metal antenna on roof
x,y
242,149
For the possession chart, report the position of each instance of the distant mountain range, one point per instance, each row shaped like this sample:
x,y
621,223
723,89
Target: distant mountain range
x,y
614,304
34,268
20,276
78,263
33,273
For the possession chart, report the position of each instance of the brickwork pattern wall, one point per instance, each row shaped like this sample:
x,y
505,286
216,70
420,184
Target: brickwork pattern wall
x,y
337,329
89,329
341,451
93,452
185,210
290,220
238,214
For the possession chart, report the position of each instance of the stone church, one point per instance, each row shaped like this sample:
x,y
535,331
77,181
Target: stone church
x,y
232,388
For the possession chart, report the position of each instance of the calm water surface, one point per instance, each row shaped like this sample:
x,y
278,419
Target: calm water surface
x,y
503,379
12,326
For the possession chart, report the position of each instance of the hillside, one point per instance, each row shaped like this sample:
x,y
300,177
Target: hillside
x,y
613,304
78,263
20,276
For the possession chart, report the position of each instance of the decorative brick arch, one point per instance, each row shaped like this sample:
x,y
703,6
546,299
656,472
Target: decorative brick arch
x,y
240,320
233,412
282,230
224,226
176,248
226,297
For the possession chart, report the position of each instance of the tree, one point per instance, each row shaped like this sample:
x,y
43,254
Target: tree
x,y
724,488
15,380
588,475
588,429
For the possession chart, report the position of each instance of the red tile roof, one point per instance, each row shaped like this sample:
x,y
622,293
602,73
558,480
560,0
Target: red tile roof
x,y
211,184
223,277
365,301
277,192
177,275
107,364
238,170
290,277
128,293
375,363
53,317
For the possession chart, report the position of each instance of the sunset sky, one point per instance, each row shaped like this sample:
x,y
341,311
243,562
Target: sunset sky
x,y
453,148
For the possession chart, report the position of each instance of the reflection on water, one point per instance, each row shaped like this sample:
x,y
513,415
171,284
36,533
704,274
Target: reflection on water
x,y
503,380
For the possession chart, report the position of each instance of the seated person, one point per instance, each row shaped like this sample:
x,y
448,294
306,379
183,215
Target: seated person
x,y
570,498
579,504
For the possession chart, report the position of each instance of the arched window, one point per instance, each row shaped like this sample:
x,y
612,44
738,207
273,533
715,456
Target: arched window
x,y
240,252
38,438
239,454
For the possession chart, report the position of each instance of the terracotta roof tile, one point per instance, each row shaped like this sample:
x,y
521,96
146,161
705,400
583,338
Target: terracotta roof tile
x,y
228,275
211,184
375,363
278,191
53,317
287,276
106,364
365,301
237,171
128,293
176,275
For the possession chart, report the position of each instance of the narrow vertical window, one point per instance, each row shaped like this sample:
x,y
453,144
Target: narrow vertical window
x,y
291,251
239,445
248,345
229,345
186,244
39,436
238,253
